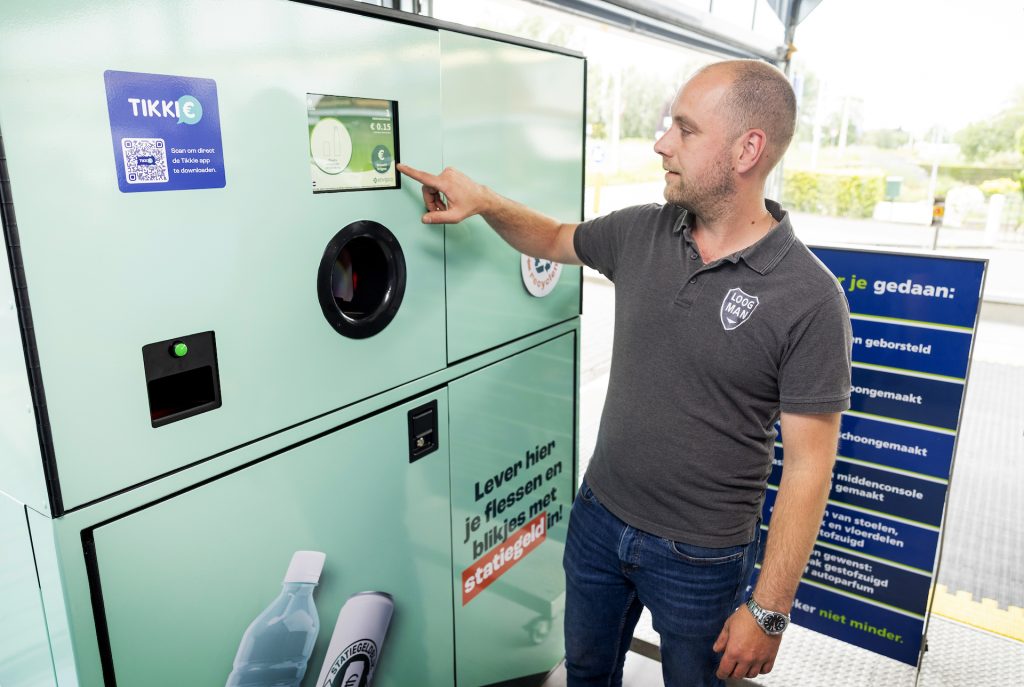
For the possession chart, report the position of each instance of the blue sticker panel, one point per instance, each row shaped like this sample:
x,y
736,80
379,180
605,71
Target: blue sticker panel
x,y
909,287
912,399
936,351
869,579
165,131
892,493
906,448
866,578
926,451
874,535
859,623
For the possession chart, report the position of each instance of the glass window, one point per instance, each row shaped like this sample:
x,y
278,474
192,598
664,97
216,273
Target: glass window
x,y
737,12
911,138
767,23
631,81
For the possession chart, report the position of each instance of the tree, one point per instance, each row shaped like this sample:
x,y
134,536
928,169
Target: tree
x,y
645,93
645,96
808,88
981,140
886,138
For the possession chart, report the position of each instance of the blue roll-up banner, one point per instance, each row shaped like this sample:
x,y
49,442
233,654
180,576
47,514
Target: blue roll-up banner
x,y
869,575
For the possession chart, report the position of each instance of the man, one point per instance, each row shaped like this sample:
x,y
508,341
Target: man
x,y
724,323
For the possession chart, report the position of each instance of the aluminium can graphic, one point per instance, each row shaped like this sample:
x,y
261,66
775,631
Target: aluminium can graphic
x,y
354,651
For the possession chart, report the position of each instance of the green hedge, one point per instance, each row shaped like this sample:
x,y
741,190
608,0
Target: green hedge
x,y
1004,186
841,193
969,174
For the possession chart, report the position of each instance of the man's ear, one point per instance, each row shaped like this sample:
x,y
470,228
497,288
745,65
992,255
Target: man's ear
x,y
750,148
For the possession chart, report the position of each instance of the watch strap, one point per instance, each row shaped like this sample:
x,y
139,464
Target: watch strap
x,y
768,621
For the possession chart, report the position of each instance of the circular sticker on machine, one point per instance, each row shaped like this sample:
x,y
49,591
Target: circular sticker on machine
x,y
330,145
540,276
381,159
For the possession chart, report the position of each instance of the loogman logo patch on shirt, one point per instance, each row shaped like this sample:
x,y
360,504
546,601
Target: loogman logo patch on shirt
x,y
737,307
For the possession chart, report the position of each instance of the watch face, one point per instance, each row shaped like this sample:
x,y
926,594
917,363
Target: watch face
x,y
774,622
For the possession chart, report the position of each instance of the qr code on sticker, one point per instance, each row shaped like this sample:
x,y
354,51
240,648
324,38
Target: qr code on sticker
x,y
145,160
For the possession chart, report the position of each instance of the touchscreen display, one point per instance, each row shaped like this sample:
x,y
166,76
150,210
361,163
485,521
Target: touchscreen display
x,y
353,143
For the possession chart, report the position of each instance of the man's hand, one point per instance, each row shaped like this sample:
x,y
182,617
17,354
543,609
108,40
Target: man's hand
x,y
747,651
449,197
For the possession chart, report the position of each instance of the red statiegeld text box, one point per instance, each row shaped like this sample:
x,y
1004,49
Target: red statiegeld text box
x,y
498,560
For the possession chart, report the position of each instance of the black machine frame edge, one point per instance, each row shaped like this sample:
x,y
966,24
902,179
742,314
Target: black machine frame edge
x,y
12,244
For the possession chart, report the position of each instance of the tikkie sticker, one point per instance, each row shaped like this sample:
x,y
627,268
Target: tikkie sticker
x,y
737,307
165,131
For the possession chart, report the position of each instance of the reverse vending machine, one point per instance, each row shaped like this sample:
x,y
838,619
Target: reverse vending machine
x,y
254,416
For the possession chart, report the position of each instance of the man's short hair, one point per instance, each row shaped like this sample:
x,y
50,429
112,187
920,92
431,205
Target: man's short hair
x,y
760,97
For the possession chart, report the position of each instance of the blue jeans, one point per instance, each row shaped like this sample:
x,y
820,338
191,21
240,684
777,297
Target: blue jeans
x,y
613,570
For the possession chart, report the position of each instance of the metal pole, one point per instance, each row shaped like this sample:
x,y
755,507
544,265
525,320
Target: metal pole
x,y
932,184
775,179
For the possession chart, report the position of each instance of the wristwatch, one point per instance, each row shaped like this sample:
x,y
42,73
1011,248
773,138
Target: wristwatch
x,y
772,622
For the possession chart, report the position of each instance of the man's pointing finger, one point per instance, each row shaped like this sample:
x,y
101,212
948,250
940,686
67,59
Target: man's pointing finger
x,y
418,175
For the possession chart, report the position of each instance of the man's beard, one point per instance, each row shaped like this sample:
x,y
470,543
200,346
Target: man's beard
x,y
706,196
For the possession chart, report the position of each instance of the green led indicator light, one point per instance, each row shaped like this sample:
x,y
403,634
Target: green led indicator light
x,y
180,350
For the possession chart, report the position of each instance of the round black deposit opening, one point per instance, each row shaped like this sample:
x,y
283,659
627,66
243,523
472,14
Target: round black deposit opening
x,y
361,279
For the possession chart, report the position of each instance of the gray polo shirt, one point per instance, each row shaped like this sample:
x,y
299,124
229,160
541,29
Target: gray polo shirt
x,y
704,359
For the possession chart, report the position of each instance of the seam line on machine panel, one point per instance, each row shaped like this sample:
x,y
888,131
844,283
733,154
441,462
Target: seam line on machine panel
x,y
268,456
583,172
297,444
238,447
269,435
576,343
39,582
444,227
451,549
518,338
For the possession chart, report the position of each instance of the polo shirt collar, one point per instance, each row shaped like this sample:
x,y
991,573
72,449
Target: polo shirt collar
x,y
762,256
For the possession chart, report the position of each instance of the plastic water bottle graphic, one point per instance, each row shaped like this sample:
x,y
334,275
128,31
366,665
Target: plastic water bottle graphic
x,y
276,646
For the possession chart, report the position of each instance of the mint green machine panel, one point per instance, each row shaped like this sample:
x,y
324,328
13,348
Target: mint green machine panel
x,y
24,646
182,579
21,469
513,119
513,452
109,272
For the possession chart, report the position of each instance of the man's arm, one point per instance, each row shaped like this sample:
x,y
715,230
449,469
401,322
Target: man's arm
x,y
810,443
452,197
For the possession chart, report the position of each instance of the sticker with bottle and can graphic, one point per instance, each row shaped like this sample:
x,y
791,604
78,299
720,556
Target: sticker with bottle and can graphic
x,y
276,646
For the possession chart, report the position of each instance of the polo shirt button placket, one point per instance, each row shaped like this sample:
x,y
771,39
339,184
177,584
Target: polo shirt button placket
x,y
694,280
